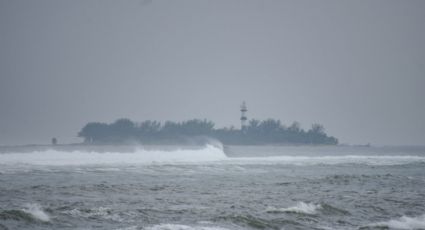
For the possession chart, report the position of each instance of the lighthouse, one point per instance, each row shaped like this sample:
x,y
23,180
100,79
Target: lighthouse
x,y
243,116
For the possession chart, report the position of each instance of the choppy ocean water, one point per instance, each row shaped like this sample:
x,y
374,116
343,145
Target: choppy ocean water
x,y
213,188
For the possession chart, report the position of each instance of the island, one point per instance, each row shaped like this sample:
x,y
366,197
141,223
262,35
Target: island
x,y
198,131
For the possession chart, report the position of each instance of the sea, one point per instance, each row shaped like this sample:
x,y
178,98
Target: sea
x,y
212,187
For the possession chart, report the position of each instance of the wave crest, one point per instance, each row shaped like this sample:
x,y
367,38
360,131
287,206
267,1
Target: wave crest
x,y
31,212
404,222
300,207
37,212
182,227
141,156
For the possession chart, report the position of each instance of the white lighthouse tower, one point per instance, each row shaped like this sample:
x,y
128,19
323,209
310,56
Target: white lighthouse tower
x,y
243,116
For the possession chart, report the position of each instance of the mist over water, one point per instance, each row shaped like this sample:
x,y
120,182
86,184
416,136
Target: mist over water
x,y
212,187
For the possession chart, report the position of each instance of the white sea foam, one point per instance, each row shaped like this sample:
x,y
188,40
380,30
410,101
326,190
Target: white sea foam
x,y
404,222
300,207
36,211
182,227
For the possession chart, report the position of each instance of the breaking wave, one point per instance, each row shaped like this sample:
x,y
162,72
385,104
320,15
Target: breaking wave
x,y
182,227
63,158
248,221
403,222
102,213
300,207
31,212
334,160
37,212
210,154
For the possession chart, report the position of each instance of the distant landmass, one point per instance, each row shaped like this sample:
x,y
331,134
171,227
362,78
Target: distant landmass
x,y
197,131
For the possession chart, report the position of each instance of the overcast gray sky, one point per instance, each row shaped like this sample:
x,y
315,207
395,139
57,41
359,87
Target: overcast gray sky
x,y
357,67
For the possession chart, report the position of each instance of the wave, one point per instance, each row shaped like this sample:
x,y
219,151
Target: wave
x,y
300,207
141,156
31,212
135,227
309,209
37,212
210,154
182,227
403,222
334,160
94,213
247,221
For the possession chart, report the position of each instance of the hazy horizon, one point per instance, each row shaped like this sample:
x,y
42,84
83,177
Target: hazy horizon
x,y
356,67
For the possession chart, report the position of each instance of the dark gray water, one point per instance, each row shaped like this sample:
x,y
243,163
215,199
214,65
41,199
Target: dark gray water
x,y
251,188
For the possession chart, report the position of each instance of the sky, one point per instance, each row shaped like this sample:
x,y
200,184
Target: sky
x,y
356,67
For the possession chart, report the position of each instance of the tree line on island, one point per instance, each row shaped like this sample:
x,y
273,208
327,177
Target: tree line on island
x,y
198,131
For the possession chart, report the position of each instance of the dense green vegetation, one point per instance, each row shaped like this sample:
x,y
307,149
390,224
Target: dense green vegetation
x,y
200,131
